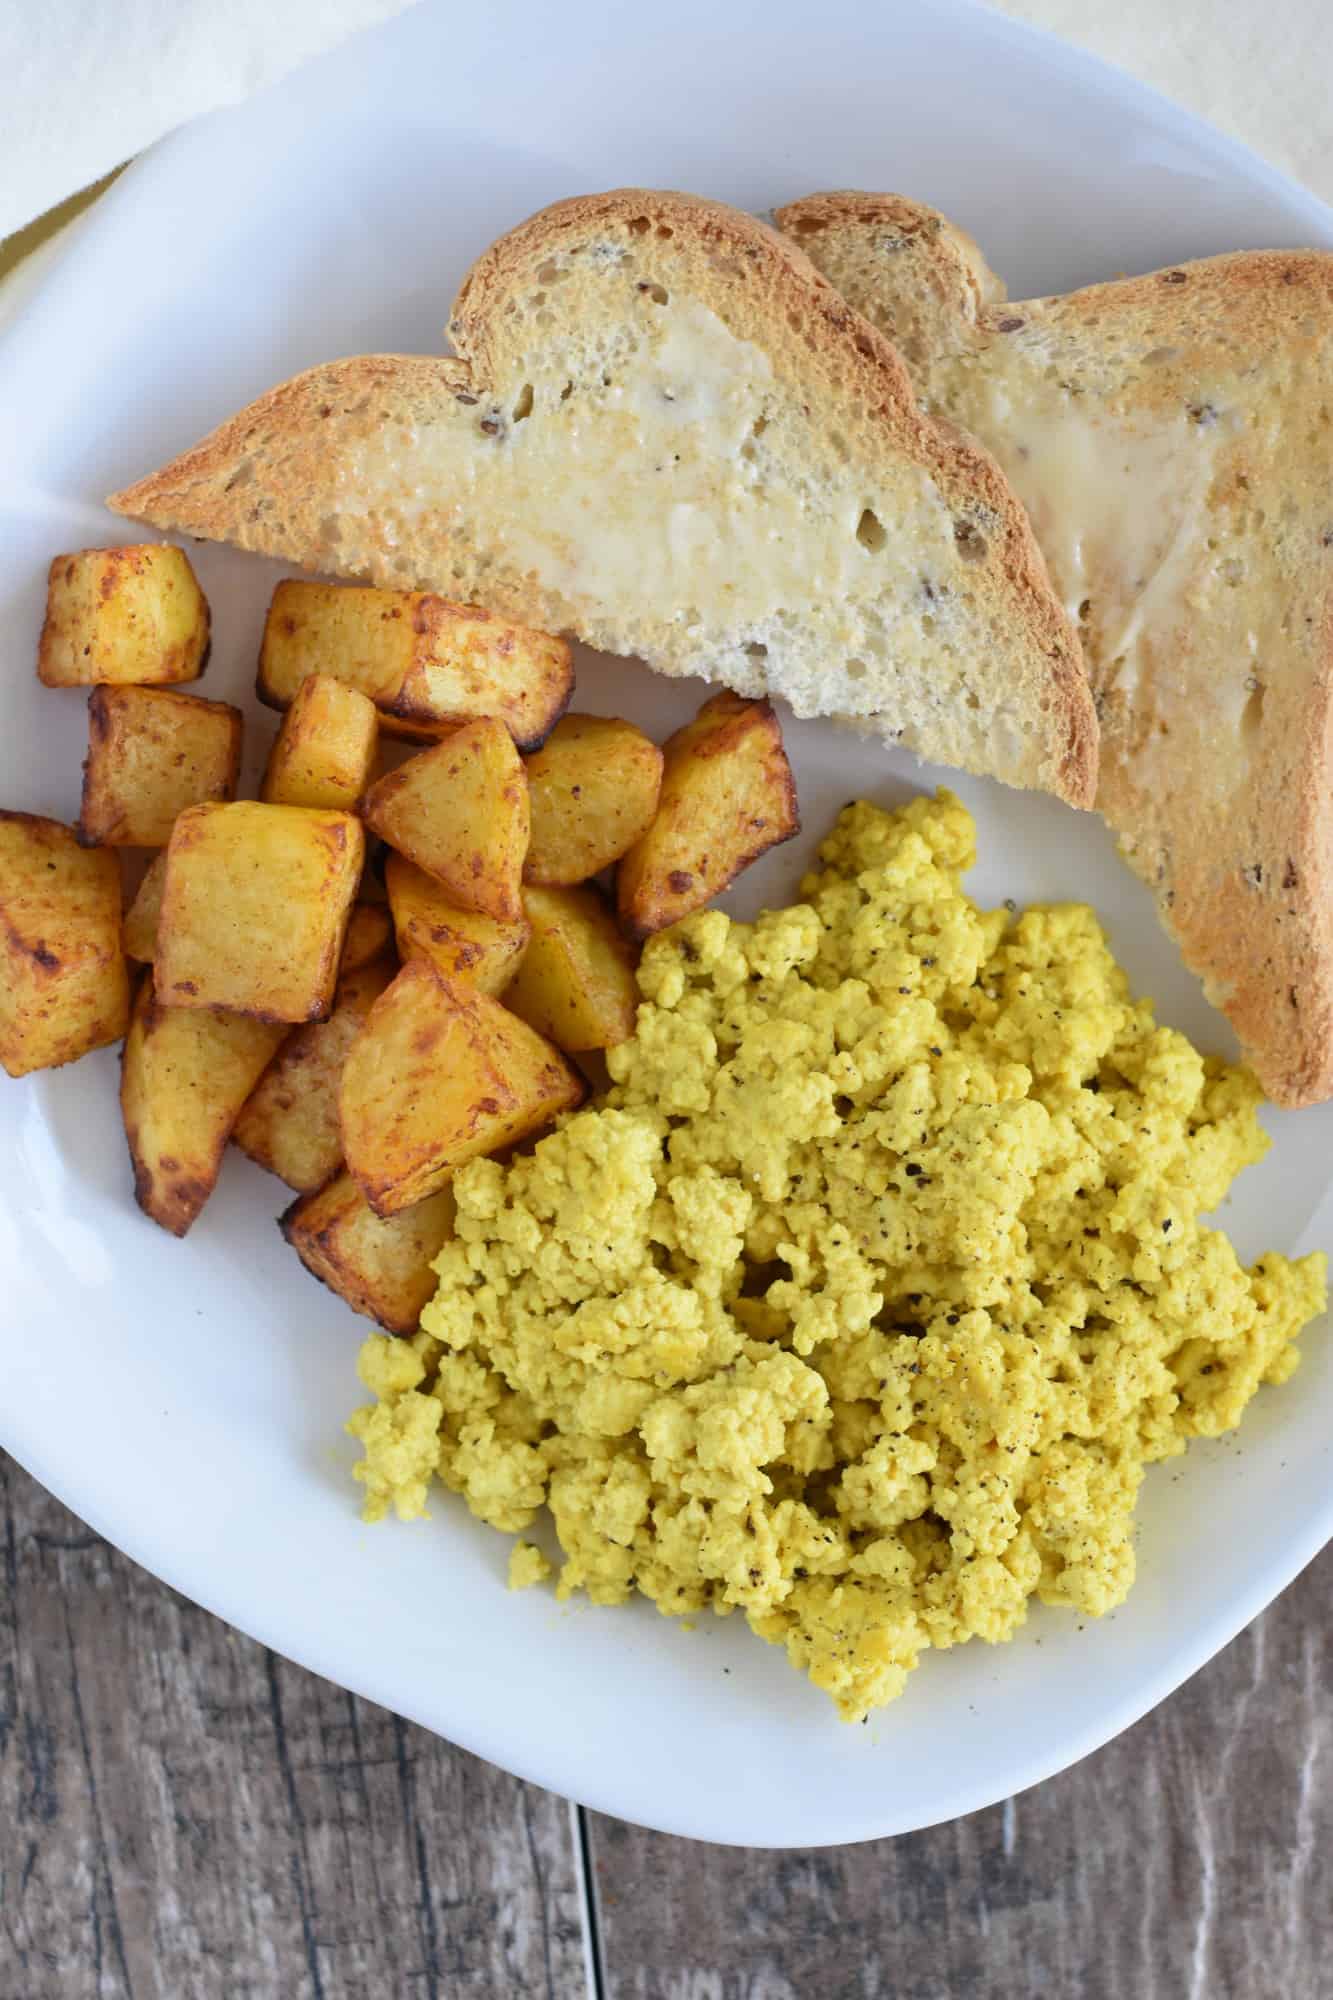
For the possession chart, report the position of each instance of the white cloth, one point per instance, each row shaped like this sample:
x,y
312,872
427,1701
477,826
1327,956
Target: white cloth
x,y
85,84
1260,70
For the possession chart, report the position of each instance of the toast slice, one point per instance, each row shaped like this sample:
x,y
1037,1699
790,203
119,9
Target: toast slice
x,y
1172,438
665,433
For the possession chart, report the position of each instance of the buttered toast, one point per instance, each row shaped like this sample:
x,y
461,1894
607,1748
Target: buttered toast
x,y
1172,439
666,433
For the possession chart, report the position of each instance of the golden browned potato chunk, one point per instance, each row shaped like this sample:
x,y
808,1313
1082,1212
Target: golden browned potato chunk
x,y
576,984
63,985
186,1074
458,942
123,615
426,664
369,935
460,811
381,1265
138,933
727,795
322,755
439,1074
289,1122
151,754
593,787
254,909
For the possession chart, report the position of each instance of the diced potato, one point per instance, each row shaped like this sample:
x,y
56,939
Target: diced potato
x,y
254,908
132,615
380,1265
289,1122
727,795
322,755
459,942
151,754
63,985
439,1074
426,664
593,787
576,984
186,1074
460,811
369,935
138,933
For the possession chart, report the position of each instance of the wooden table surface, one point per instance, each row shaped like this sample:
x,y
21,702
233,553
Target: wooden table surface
x,y
185,1816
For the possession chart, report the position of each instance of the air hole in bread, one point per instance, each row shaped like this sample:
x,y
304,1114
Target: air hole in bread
x,y
870,530
754,651
1252,715
971,544
640,225
523,403
857,670
658,294
566,392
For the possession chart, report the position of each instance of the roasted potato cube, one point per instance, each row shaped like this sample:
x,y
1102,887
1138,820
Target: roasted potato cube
x,y
369,935
576,984
727,795
593,788
132,615
439,1074
380,1265
151,754
460,811
254,909
138,933
324,751
185,1075
63,985
459,942
289,1122
426,664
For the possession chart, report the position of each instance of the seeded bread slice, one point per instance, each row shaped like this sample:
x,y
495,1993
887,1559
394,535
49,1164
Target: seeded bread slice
x,y
1172,439
667,434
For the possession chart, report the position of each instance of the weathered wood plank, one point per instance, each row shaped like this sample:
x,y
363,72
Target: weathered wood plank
x,y
184,1816
1190,1860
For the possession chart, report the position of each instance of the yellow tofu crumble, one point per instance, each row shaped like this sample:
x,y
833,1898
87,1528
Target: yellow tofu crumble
x,y
865,1297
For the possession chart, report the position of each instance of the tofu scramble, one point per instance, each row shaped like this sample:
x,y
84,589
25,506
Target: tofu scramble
x,y
865,1297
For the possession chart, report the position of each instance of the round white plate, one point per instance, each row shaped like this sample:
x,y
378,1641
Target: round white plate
x,y
187,1399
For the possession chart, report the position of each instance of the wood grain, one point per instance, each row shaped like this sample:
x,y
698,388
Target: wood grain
x,y
1190,1860
185,1816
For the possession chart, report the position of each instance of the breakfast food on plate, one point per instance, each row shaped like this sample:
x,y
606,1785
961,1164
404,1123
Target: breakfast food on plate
x,y
255,902
460,811
63,984
325,750
275,1012
727,796
592,791
426,663
576,983
664,432
151,753
1169,436
439,1073
289,1122
382,1266
185,1074
114,616
428,925
865,1297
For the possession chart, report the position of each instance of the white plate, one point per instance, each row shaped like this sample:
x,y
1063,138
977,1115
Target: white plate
x,y
186,1399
